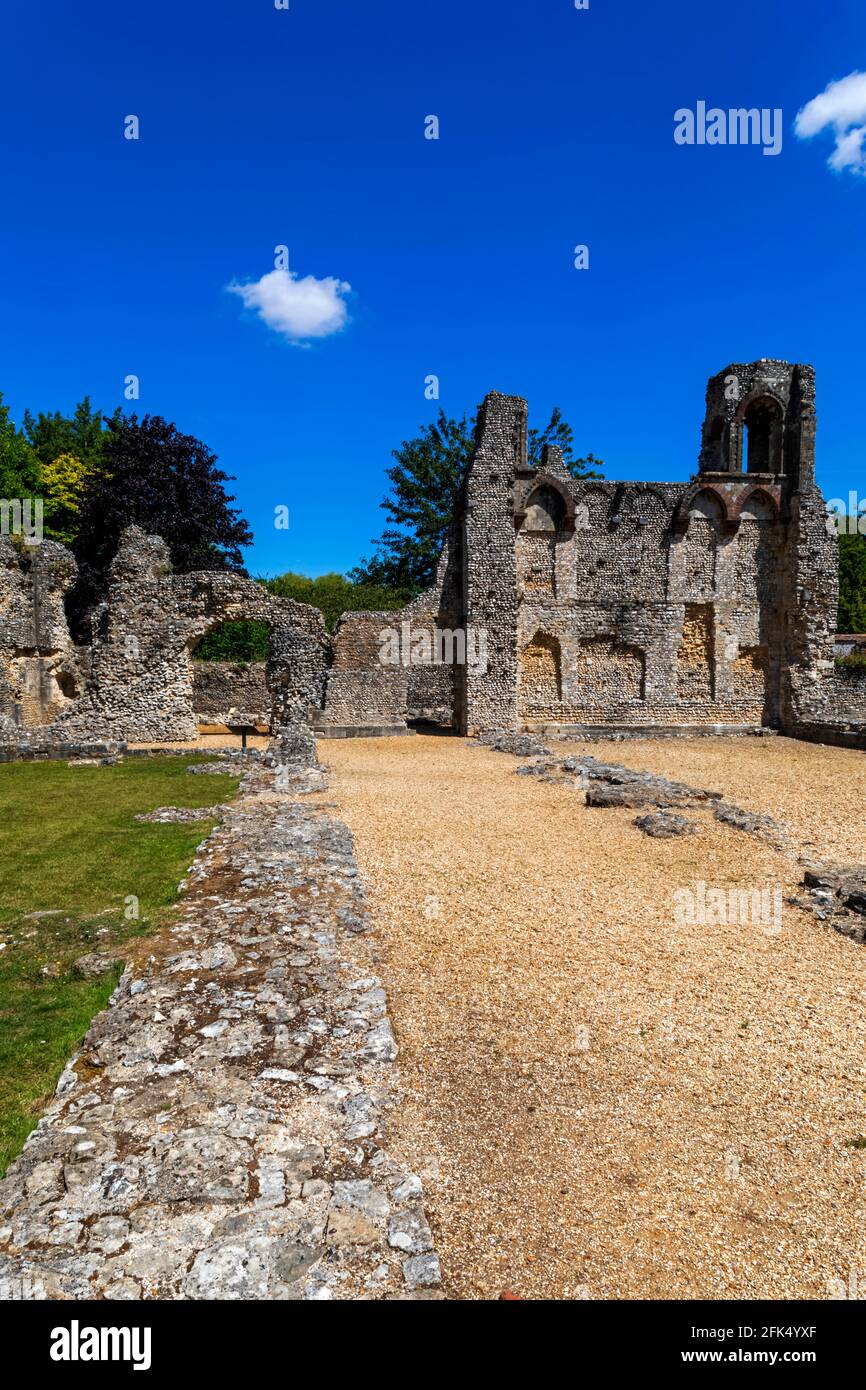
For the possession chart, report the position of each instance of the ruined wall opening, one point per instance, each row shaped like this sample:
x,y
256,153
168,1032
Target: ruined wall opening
x,y
543,525
230,676
545,510
541,676
763,425
695,656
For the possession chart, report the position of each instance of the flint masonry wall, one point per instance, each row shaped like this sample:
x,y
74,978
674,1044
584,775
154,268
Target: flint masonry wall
x,y
41,672
222,688
137,683
695,605
630,605
384,667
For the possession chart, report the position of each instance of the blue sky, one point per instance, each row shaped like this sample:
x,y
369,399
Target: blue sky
x,y
305,127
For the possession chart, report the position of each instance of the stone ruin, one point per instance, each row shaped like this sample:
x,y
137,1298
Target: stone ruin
x,y
559,606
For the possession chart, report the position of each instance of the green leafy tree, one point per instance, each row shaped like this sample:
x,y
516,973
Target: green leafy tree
x,y
166,482
69,450
852,583
63,482
237,640
19,464
425,479
80,435
334,594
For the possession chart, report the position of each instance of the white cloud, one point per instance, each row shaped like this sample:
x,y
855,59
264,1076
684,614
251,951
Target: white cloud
x,y
298,309
841,108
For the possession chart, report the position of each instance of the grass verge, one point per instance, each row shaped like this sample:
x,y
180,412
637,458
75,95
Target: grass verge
x,y
75,867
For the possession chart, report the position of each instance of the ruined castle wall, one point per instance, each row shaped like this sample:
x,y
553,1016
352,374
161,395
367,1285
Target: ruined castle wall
x,y
385,667
650,622
220,688
488,694
138,684
40,670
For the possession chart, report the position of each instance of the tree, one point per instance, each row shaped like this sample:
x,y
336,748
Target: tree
x,y
167,483
852,583
69,450
80,435
557,431
62,484
19,465
424,483
241,639
334,594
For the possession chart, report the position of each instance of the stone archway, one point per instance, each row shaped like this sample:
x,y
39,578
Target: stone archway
x,y
141,679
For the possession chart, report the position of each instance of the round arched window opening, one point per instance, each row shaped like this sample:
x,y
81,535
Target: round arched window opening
x,y
545,510
763,423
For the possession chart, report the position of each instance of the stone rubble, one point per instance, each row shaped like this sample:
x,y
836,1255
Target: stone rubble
x,y
836,894
181,815
752,823
665,825
504,741
222,1133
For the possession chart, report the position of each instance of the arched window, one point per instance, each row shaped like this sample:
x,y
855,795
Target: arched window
x,y
707,505
545,510
758,506
763,422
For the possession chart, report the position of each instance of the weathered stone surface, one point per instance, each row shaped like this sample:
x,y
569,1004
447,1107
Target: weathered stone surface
x,y
223,1132
521,745
665,825
836,894
750,822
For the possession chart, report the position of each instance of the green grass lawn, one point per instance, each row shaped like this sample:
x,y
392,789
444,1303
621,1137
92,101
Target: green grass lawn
x,y
71,849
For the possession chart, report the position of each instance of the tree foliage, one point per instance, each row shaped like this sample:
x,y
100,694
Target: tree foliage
x,y
852,583
334,594
240,640
81,435
169,484
425,479
62,484
19,464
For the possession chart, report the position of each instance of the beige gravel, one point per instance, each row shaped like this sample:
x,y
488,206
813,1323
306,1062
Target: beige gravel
x,y
606,1104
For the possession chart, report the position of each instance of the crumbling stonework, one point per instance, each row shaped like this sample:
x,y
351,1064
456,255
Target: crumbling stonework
x,y
223,1131
223,688
700,606
139,672
565,605
41,672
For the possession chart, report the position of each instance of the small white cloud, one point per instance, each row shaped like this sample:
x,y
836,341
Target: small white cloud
x,y
841,108
298,309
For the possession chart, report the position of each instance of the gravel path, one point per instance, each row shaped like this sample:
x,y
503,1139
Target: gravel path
x,y
604,1103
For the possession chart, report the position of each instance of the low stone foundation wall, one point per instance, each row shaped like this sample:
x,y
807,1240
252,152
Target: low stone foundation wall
x,y
223,1132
